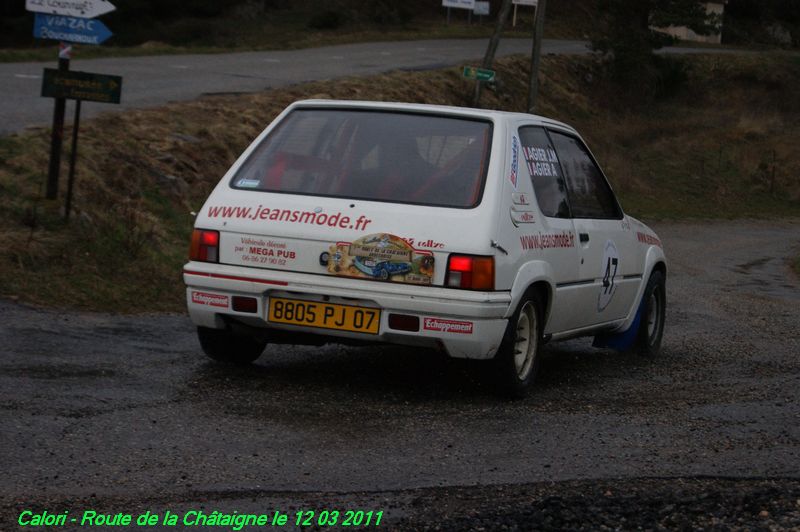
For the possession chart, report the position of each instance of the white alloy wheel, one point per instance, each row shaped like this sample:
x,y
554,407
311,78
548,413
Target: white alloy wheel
x,y
653,316
525,344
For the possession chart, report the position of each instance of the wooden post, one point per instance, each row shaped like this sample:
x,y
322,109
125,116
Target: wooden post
x,y
57,135
73,156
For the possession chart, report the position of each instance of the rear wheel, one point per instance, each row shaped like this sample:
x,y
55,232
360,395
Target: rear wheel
x,y
517,360
224,346
651,327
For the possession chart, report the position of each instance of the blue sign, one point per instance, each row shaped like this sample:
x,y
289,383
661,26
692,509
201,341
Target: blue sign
x,y
70,29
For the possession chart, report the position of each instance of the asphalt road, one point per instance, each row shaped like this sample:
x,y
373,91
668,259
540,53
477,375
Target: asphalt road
x,y
124,413
155,80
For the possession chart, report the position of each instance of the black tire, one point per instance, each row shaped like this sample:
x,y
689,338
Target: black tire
x,y
516,365
383,275
224,346
654,312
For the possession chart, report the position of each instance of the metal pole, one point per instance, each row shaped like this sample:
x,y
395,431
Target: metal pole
x,y
448,16
73,156
514,19
57,136
538,30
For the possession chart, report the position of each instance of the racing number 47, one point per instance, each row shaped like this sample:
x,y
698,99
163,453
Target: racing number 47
x,y
608,278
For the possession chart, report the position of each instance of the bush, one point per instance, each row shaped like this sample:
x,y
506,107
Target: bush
x,y
327,20
670,76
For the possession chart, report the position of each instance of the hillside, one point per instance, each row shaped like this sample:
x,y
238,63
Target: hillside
x,y
723,146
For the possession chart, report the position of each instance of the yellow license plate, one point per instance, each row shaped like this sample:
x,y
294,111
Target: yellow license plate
x,y
324,315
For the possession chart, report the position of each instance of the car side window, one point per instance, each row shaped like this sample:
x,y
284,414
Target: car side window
x,y
588,191
542,162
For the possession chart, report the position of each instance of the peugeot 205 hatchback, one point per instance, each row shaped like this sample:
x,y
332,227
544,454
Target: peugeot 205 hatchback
x,y
477,232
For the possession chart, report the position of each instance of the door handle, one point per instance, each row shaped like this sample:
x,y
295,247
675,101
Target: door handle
x,y
584,237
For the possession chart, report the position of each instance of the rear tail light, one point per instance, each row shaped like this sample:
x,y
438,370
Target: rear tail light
x,y
205,246
470,272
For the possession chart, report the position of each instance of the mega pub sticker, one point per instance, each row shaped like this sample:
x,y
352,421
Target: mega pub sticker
x,y
381,256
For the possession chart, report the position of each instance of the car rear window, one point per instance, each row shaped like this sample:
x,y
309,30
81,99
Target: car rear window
x,y
373,155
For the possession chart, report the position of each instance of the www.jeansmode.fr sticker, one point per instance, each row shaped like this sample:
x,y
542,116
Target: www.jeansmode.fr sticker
x,y
381,256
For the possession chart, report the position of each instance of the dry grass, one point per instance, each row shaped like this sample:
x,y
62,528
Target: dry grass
x,y
711,151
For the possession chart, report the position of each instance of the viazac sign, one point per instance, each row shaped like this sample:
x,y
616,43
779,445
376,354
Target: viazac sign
x,y
70,29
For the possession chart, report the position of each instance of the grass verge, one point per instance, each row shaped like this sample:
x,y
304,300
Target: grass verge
x,y
722,147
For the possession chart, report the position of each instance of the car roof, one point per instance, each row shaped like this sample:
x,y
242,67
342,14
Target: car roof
x,y
494,116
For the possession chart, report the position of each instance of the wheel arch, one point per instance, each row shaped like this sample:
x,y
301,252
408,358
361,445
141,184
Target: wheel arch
x,y
654,261
533,278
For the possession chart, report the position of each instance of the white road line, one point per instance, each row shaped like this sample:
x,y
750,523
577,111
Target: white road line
x,y
386,53
270,60
337,57
180,67
27,76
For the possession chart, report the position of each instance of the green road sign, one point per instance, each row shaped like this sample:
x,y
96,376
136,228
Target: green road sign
x,y
75,85
480,74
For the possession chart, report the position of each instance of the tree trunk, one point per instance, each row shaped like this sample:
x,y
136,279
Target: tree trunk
x,y
491,50
538,32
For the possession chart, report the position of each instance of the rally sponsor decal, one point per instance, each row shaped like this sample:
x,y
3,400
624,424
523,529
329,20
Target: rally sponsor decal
x,y
258,251
211,300
647,239
564,239
317,216
428,243
248,183
522,217
381,256
512,176
447,326
520,198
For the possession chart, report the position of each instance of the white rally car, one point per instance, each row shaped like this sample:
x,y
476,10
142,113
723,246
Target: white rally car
x,y
478,232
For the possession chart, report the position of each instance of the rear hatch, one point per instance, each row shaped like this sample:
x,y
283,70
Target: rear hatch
x,y
357,193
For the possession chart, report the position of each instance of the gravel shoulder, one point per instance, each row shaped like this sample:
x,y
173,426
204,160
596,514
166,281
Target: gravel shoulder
x,y
123,413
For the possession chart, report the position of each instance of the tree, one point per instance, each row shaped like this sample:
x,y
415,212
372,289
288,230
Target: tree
x,y
491,49
625,30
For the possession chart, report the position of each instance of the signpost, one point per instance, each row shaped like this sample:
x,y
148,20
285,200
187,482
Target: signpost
x,y
70,29
79,86
71,8
71,21
75,85
458,4
516,3
480,74
481,8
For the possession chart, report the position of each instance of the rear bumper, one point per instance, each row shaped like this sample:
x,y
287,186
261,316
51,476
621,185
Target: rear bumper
x,y
466,324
